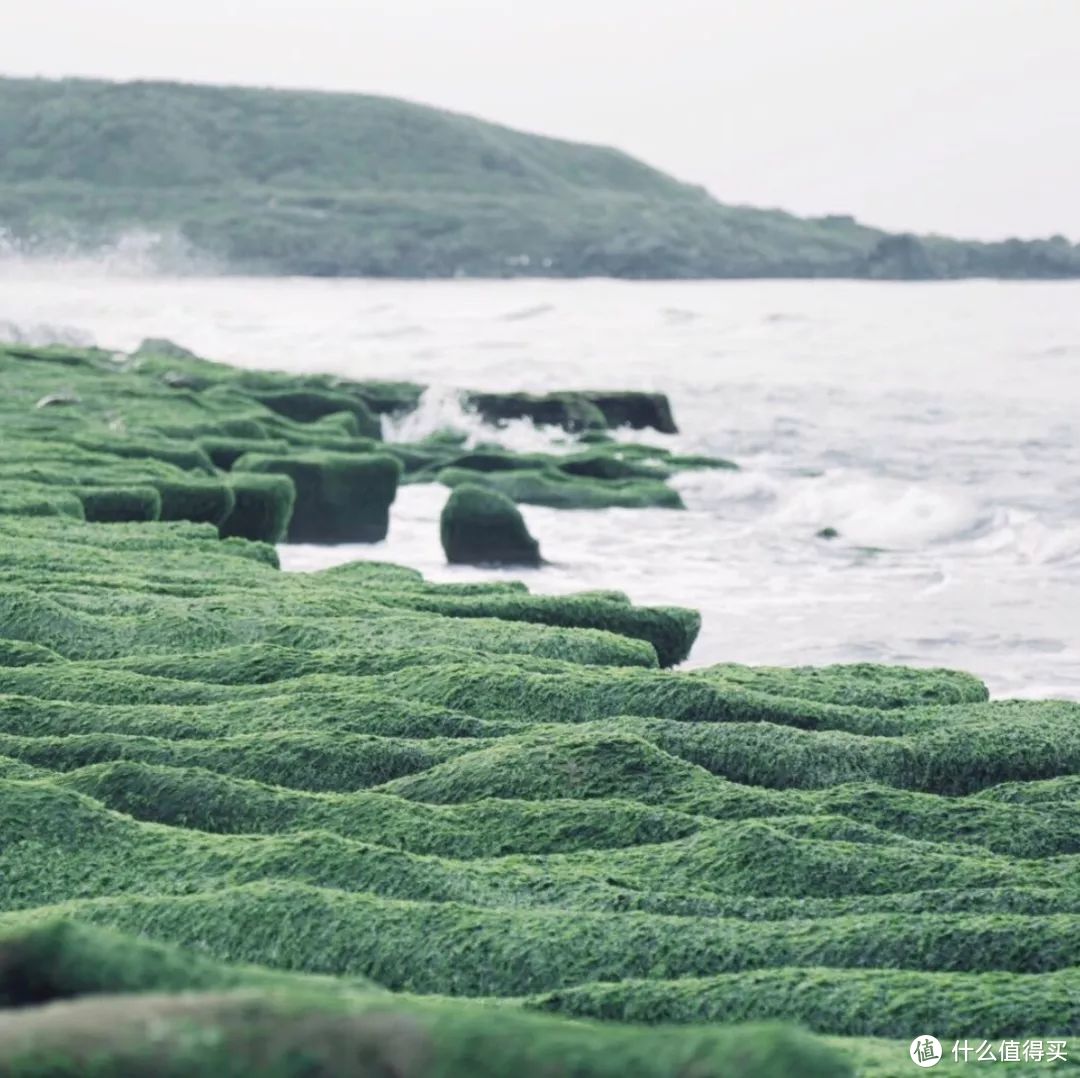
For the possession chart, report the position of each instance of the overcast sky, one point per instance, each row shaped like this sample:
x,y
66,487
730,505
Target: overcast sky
x,y
956,116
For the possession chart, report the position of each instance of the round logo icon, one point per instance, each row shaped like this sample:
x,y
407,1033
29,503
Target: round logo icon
x,y
925,1051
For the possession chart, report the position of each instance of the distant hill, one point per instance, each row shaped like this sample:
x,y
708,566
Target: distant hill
x,y
291,182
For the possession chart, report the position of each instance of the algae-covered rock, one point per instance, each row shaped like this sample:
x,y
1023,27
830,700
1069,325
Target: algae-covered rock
x,y
571,411
31,500
482,527
577,412
187,496
263,507
385,398
602,476
609,464
182,455
224,452
109,505
340,497
637,410
308,405
307,1027
376,784
561,491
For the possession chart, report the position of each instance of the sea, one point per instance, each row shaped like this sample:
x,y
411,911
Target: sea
x,y
934,426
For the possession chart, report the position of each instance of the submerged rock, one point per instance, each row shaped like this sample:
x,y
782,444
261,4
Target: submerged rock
x,y
483,527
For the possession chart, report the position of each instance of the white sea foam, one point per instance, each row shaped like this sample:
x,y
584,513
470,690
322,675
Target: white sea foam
x,y
136,253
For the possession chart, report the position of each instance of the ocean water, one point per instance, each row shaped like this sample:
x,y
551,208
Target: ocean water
x,y
936,427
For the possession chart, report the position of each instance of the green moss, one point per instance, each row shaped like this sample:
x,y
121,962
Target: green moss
x,y
23,653
561,491
262,509
209,500
340,498
63,959
210,801
225,452
306,761
513,951
859,684
479,527
31,500
858,1003
309,405
242,1035
108,505
357,777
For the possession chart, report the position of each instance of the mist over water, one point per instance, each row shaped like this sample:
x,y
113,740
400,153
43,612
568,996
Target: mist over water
x,y
934,426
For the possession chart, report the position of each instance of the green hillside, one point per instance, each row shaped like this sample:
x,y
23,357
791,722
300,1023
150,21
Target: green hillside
x,y
295,182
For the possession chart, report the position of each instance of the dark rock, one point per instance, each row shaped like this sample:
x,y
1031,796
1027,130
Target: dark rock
x,y
577,413
828,533
571,411
482,527
638,410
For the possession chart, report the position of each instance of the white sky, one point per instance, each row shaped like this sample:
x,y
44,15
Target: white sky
x,y
957,116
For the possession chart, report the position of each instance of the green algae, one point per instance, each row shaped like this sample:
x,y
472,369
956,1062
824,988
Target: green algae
x,y
317,789
516,951
855,1003
241,1035
481,527
340,497
561,491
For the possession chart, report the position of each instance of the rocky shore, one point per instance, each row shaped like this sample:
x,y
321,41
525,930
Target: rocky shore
x,y
352,822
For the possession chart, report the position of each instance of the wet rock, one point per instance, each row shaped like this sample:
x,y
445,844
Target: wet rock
x,y
571,411
483,527
642,411
340,497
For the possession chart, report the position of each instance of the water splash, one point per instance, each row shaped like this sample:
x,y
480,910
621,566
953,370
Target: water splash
x,y
136,252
